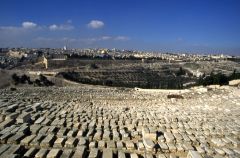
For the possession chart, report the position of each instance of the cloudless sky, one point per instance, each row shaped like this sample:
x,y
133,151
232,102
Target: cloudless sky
x,y
205,26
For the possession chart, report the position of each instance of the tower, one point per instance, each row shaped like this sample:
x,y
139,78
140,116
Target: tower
x,y
45,62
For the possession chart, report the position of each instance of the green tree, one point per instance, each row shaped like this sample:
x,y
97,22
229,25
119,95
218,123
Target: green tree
x,y
16,79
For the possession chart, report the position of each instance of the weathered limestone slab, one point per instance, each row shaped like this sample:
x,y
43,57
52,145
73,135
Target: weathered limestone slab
x,y
149,155
116,136
149,133
218,142
193,154
12,116
125,136
67,153
2,117
97,136
27,140
141,146
81,133
71,133
200,150
14,149
172,156
101,144
24,118
161,156
121,154
36,141
46,122
59,143
36,107
171,147
35,116
80,152
92,145
44,130
163,146
133,155
187,146
62,132
228,151
52,129
24,128
71,142
12,108
168,136
130,145
35,128
54,153
94,153
234,141
149,145
16,138
7,130
31,152
111,145
48,141
39,120
4,138
41,153
3,148
82,141
6,123
219,151
106,136
107,153
90,132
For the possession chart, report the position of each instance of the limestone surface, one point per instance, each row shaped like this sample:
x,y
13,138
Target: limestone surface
x,y
97,121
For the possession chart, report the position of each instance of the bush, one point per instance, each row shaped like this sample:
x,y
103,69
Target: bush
x,y
175,96
235,75
13,89
94,66
24,79
219,79
16,79
44,81
180,72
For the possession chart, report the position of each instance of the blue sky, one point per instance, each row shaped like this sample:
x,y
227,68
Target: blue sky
x,y
204,26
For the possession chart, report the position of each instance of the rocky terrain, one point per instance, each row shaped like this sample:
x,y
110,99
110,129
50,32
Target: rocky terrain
x,y
96,121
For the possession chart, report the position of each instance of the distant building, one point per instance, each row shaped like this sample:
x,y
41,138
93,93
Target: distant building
x,y
16,54
58,57
197,73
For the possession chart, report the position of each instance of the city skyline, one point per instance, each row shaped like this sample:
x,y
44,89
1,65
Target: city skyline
x,y
170,26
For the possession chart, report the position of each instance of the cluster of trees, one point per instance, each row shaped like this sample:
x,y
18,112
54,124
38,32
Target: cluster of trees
x,y
21,79
142,80
175,96
94,66
43,81
24,79
74,76
219,79
180,72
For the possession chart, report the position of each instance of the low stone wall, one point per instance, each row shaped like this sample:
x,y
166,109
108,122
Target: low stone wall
x,y
172,91
234,82
42,72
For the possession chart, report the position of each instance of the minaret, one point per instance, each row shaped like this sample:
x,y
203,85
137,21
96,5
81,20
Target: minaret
x,y
65,47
